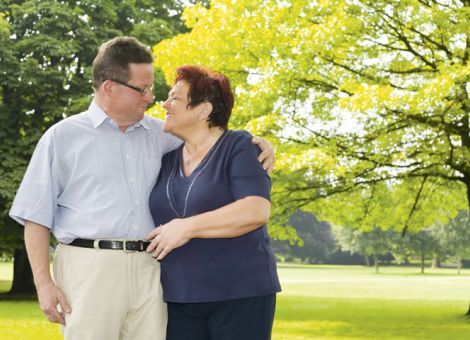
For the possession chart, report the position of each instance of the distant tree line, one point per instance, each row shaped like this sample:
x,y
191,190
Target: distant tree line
x,y
327,244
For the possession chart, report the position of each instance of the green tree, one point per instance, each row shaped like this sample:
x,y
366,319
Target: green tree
x,y
454,237
423,245
317,243
366,101
373,243
45,75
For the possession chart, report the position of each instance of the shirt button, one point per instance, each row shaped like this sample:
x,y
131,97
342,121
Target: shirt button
x,y
128,157
136,202
132,179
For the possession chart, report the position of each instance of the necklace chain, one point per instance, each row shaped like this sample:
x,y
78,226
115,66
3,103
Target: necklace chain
x,y
189,158
172,176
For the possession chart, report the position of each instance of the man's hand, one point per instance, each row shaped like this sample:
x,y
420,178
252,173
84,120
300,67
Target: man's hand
x,y
50,298
167,237
36,238
266,157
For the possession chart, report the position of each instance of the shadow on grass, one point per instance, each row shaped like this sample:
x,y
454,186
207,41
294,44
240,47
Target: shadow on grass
x,y
408,270
321,267
17,297
425,274
5,295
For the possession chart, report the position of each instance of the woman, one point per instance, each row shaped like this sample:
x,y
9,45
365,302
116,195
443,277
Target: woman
x,y
211,201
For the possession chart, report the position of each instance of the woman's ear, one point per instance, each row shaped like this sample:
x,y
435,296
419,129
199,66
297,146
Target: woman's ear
x,y
206,109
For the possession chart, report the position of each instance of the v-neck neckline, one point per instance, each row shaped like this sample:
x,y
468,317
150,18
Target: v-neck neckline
x,y
176,171
203,161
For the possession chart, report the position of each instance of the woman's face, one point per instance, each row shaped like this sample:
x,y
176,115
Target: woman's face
x,y
178,115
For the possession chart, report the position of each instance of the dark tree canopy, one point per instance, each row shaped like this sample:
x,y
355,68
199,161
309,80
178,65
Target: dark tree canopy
x,y
47,48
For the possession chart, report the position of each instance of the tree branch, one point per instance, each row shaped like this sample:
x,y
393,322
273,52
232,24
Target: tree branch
x,y
415,204
402,37
428,39
410,71
362,74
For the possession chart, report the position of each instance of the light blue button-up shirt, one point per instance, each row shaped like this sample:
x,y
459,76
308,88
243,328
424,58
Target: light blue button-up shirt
x,y
89,180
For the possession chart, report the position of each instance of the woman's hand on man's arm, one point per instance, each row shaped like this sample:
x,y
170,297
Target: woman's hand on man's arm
x,y
233,220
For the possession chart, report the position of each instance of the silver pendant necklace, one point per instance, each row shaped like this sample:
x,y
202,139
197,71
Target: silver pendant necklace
x,y
176,164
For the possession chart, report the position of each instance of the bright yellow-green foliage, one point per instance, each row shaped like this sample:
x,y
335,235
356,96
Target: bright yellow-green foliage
x,y
366,101
327,302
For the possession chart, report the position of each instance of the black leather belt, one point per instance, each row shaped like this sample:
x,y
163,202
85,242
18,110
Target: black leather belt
x,y
107,244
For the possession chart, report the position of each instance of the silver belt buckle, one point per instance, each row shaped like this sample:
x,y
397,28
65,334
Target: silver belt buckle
x,y
124,247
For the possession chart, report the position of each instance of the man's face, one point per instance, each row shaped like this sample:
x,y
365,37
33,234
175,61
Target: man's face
x,y
128,103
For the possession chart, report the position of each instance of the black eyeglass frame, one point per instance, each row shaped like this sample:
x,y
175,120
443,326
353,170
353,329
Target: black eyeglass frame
x,y
141,90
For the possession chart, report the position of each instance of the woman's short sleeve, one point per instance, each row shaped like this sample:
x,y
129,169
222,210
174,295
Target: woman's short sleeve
x,y
247,176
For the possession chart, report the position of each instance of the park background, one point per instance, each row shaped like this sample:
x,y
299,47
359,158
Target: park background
x,y
367,105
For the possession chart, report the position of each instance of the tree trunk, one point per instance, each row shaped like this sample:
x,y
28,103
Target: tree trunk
x,y
422,263
459,266
435,262
467,183
376,263
366,258
22,275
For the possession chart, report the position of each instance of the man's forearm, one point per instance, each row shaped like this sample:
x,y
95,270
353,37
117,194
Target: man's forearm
x,y
37,239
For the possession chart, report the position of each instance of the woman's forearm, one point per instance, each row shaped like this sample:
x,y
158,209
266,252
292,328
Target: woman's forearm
x,y
232,220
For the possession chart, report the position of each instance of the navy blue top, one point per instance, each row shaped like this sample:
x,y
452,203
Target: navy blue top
x,y
209,270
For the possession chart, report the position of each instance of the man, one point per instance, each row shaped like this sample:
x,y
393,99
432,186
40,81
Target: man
x,y
88,183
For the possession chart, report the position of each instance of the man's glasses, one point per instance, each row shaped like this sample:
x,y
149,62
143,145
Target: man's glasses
x,y
141,90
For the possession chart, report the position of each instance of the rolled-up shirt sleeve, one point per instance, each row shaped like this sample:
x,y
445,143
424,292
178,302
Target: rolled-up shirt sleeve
x,y
36,198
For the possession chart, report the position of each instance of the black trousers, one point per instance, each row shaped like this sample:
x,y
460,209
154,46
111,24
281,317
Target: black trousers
x,y
241,319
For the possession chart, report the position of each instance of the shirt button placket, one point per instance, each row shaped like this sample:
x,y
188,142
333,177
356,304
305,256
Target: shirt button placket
x,y
131,167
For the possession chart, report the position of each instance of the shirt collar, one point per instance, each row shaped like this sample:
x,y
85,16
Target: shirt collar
x,y
98,116
145,124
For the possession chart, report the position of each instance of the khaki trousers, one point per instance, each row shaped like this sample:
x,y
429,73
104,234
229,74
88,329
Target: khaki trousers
x,y
113,295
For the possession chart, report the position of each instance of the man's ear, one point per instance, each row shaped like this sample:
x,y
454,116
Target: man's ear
x,y
206,109
107,87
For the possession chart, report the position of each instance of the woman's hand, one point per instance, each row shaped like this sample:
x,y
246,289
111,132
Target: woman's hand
x,y
167,237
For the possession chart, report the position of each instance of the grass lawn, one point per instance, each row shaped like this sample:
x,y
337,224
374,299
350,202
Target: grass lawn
x,y
325,302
